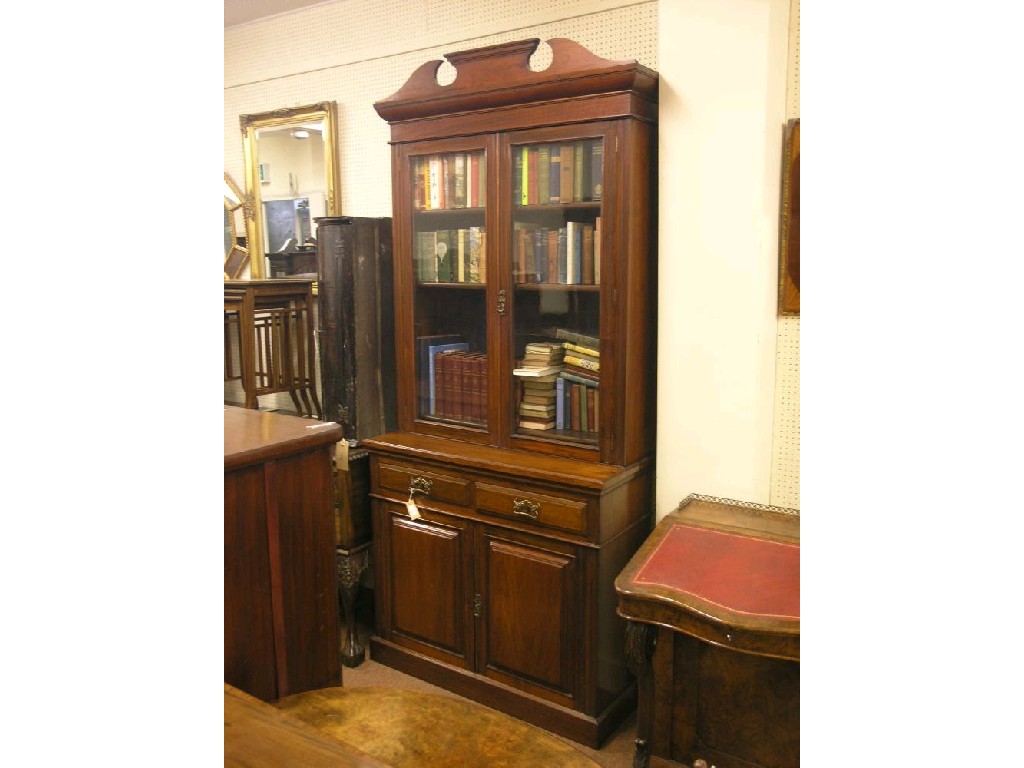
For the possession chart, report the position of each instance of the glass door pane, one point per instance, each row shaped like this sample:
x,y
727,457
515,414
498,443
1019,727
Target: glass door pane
x,y
449,248
557,189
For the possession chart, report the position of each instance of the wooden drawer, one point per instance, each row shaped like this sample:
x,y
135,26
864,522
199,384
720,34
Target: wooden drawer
x,y
438,487
552,511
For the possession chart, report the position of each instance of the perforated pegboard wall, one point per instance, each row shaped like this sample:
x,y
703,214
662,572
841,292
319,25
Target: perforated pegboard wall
x,y
785,491
324,53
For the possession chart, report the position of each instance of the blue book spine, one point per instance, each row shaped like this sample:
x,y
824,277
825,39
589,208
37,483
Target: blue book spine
x,y
559,403
577,256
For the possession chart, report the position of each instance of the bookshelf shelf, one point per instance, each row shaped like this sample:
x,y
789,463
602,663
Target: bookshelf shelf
x,y
520,478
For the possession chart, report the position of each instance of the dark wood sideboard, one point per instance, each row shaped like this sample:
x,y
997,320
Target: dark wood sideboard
x,y
712,600
280,593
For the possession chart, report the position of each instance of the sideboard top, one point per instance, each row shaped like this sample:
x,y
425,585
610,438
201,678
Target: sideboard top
x,y
252,437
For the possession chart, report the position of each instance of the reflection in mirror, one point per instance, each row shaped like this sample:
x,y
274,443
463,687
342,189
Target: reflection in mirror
x,y
291,172
236,252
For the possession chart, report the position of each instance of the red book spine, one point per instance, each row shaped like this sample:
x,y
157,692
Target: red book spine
x,y
453,385
471,382
439,378
591,410
574,406
483,388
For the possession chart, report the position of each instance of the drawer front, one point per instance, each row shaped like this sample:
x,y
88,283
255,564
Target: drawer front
x,y
552,511
432,486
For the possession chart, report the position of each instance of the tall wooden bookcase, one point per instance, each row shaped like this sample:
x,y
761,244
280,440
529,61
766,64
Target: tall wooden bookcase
x,y
509,498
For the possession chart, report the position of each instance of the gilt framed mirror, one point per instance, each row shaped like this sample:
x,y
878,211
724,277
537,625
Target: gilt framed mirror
x,y
291,174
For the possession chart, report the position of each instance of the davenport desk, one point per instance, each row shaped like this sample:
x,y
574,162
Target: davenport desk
x,y
280,587
712,603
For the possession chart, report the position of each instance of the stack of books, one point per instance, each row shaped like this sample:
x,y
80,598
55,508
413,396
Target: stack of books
x,y
538,376
576,391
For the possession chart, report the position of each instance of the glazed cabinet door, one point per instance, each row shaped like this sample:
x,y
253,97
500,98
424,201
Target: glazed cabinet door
x,y
443,276
531,616
426,566
558,247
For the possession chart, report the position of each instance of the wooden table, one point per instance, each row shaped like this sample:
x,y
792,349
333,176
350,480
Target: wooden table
x,y
712,602
277,348
280,586
257,735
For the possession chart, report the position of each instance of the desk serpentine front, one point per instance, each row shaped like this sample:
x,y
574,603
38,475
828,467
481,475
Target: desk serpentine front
x,y
712,601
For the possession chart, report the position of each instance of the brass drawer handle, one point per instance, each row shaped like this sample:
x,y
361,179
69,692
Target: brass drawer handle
x,y
530,509
420,485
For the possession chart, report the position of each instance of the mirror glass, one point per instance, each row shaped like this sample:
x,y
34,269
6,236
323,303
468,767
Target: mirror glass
x,y
291,172
236,252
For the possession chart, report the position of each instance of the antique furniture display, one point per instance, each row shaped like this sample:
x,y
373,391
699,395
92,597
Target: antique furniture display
x,y
291,171
713,604
519,480
272,321
357,370
280,598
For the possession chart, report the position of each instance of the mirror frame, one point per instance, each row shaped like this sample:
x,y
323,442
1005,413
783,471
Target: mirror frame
x,y
250,124
234,200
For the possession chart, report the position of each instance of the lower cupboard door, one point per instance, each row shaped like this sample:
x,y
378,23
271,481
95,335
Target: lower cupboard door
x,y
427,568
531,619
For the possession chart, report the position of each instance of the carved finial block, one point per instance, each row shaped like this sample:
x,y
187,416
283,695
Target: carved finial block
x,y
499,75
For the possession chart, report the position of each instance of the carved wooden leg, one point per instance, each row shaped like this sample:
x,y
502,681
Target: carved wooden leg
x,y
640,640
350,569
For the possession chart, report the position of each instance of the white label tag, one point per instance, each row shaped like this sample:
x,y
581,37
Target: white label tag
x,y
414,511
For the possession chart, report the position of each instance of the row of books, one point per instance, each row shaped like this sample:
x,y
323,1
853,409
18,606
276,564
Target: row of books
x,y
559,400
558,173
451,255
576,405
569,255
460,386
457,180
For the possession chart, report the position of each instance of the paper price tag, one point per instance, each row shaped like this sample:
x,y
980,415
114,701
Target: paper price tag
x,y
414,511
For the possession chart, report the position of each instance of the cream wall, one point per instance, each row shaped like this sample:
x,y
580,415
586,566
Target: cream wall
x,y
723,66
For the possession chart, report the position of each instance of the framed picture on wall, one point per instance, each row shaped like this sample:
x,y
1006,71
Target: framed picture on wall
x,y
789,226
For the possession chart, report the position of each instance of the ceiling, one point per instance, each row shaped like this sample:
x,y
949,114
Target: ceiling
x,y
242,11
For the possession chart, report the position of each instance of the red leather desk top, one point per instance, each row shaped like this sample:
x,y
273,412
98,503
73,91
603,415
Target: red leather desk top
x,y
736,572
724,572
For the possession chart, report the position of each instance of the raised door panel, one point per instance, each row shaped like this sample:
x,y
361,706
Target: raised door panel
x,y
428,583
530,615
